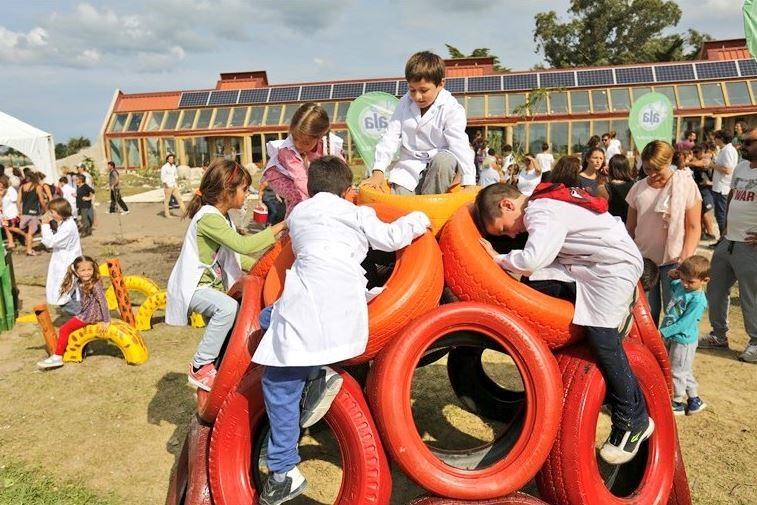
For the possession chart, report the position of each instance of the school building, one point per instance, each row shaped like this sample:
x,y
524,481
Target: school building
x,y
564,107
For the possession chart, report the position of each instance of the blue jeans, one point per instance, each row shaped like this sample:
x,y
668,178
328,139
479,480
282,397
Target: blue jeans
x,y
282,391
659,295
720,201
265,317
219,310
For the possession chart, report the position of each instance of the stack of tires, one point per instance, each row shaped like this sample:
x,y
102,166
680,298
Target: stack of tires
x,y
547,439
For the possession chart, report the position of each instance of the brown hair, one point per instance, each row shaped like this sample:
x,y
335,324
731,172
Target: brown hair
x,y
329,174
486,208
312,120
86,287
61,206
588,154
657,154
566,171
425,65
697,267
220,180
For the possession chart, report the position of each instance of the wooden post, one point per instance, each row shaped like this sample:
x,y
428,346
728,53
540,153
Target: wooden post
x,y
46,325
122,295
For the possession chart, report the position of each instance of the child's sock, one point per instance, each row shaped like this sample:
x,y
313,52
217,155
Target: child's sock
x,y
279,477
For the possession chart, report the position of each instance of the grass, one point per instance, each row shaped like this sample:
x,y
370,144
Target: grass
x,y
23,486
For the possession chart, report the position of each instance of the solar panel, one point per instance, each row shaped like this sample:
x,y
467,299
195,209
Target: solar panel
x,y
385,86
518,81
194,98
488,83
348,90
595,77
668,73
259,95
318,92
227,97
557,79
716,70
401,88
457,85
634,75
284,94
748,67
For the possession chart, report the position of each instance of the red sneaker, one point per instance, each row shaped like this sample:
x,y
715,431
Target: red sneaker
x,y
203,378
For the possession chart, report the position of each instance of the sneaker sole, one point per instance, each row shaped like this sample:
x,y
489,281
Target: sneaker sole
x,y
745,360
294,494
680,413
197,384
311,417
48,367
622,457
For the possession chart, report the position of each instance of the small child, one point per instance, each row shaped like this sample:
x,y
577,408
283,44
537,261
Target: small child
x,y
209,263
9,211
66,247
309,138
680,329
322,315
68,192
83,278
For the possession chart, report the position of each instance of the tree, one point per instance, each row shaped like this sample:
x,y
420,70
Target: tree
x,y
614,32
61,150
481,52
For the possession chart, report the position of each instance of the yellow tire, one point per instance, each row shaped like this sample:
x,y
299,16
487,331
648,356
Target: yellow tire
x,y
438,208
135,283
104,272
118,332
27,318
155,302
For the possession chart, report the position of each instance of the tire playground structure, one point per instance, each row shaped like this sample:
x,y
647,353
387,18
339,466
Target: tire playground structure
x,y
545,429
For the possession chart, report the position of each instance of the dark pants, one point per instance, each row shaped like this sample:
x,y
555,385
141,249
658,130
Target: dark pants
x,y
720,201
86,218
115,197
623,393
276,208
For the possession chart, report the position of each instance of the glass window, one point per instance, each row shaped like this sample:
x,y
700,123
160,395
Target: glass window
x,y
579,101
620,99
669,92
154,120
640,91
289,112
118,122
329,107
237,117
708,125
169,146
257,149
496,106
558,137
154,159
340,116
712,94
274,115
579,136
475,106
558,102
221,118
515,102
688,97
738,94
269,137
203,120
134,121
256,116
187,119
196,151
537,135
132,153
692,123
519,137
599,100
538,104
600,127
116,152
753,85
171,119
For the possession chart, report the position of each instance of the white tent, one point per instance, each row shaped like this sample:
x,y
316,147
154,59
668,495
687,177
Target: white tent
x,y
35,144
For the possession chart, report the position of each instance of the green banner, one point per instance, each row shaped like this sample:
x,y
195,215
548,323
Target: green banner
x,y
367,119
750,26
651,118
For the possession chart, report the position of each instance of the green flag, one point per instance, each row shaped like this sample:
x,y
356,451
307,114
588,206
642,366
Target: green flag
x,y
367,119
750,26
651,118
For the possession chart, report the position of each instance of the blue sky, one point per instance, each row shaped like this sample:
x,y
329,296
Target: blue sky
x,y
61,61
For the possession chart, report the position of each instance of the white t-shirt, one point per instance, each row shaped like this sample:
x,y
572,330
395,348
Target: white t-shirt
x,y
10,203
613,148
488,177
742,211
527,181
545,160
168,175
489,161
727,157
69,194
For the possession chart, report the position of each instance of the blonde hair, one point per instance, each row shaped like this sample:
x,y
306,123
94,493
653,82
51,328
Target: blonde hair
x,y
312,120
657,154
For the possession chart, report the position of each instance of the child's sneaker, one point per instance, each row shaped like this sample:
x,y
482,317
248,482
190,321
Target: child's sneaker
x,y
712,341
679,408
202,378
52,361
695,406
318,395
276,491
621,446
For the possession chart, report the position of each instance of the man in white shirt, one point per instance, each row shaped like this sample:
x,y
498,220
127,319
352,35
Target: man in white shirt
x,y
168,174
722,166
545,161
735,257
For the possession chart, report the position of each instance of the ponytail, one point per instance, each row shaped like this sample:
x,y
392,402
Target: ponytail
x,y
220,180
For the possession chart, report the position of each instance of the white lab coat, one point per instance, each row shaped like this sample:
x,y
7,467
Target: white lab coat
x,y
66,248
322,315
420,138
188,270
572,244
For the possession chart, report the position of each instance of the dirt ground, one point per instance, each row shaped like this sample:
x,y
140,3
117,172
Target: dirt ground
x,y
118,429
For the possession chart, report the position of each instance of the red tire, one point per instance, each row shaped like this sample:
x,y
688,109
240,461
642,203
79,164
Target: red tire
x,y
177,483
198,489
389,391
366,477
651,338
571,474
681,493
513,499
473,276
414,287
264,264
242,343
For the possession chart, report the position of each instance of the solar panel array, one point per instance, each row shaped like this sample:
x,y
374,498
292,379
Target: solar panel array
x,y
636,75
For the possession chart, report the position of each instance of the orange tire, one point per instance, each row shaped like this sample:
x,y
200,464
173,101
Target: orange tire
x,y
472,276
651,338
263,265
414,287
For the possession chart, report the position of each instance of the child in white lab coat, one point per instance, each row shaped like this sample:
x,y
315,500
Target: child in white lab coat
x,y
322,315
428,126
577,250
66,248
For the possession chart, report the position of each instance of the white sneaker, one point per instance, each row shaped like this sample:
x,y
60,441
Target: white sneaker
x,y
52,361
749,355
123,213
318,394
